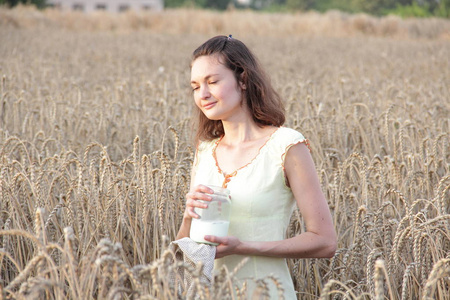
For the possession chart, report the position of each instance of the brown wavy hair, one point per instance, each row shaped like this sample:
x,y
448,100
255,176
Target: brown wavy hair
x,y
264,103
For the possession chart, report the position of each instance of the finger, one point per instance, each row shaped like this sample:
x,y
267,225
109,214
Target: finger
x,y
214,239
190,212
191,203
193,215
204,189
198,196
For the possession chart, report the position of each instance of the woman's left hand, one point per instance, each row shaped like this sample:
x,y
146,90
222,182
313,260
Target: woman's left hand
x,y
227,245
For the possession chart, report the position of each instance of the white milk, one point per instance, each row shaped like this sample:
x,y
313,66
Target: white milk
x,y
201,228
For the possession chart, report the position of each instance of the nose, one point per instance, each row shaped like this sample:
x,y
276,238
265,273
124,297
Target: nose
x,y
204,92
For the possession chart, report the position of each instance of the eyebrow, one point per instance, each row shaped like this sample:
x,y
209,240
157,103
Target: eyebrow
x,y
206,78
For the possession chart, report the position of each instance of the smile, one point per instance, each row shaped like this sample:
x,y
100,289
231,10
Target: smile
x,y
209,105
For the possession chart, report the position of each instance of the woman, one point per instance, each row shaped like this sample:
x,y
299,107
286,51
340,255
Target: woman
x,y
267,168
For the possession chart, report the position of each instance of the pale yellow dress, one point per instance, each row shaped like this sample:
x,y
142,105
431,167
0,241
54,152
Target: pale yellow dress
x,y
262,203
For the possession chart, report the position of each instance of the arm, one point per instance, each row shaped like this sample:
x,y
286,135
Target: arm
x,y
319,240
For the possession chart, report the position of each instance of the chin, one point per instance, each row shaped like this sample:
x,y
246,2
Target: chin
x,y
212,117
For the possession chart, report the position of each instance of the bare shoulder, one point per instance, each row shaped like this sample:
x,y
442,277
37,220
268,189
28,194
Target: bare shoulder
x,y
298,154
300,171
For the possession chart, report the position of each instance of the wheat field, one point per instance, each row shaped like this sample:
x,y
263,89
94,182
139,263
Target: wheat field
x,y
96,150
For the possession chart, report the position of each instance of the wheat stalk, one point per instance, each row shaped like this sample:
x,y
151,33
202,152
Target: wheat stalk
x,y
440,270
387,154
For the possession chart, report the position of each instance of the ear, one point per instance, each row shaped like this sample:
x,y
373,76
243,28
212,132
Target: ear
x,y
241,82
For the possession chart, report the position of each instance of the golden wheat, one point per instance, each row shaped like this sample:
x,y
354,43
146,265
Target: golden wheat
x,y
96,151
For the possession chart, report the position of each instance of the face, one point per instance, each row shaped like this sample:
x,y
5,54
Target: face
x,y
216,91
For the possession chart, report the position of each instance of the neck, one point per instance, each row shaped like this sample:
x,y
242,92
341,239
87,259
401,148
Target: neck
x,y
238,133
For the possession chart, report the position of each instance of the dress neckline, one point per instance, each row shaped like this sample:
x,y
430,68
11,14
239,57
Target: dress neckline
x,y
227,177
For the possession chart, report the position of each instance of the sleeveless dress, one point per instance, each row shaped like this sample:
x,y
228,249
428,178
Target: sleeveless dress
x,y
262,204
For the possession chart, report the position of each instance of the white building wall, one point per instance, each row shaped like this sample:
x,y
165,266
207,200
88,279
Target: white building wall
x,y
108,5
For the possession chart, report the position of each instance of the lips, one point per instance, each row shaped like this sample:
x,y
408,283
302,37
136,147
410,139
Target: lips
x,y
209,105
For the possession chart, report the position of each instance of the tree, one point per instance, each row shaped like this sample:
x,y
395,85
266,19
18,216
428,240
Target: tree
x,y
443,9
301,4
217,4
12,3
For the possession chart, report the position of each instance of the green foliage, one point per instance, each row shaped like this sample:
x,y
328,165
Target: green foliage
x,y
325,5
443,9
374,7
422,9
413,10
174,3
301,4
210,4
276,8
403,8
217,4
185,3
12,3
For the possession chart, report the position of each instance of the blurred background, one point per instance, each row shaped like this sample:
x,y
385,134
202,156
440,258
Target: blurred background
x,y
96,141
404,8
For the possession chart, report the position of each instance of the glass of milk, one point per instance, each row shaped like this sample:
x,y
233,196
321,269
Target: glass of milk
x,y
215,219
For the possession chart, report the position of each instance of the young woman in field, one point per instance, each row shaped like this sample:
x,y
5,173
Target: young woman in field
x,y
267,168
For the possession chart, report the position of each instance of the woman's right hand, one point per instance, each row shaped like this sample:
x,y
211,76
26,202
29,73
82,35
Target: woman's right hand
x,y
197,193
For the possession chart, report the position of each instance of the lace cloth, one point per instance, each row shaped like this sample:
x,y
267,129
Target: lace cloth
x,y
194,253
